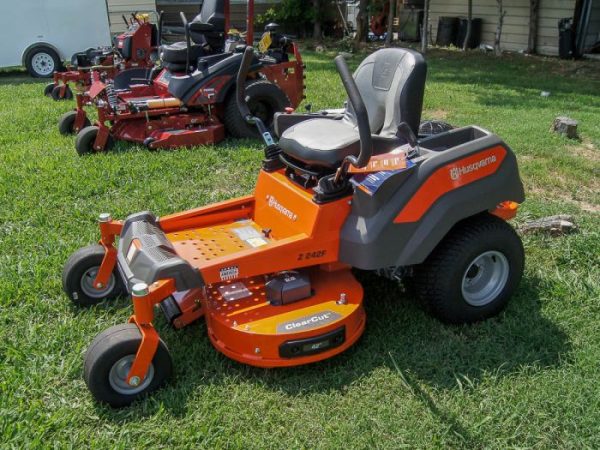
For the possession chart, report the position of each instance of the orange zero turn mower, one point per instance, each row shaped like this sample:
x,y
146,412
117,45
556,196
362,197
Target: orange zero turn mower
x,y
271,272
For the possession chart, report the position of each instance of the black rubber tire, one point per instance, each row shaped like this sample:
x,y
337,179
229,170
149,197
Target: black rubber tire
x,y
260,94
109,347
31,53
56,95
67,121
75,268
48,89
84,144
437,281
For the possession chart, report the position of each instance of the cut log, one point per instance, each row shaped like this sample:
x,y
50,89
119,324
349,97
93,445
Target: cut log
x,y
552,225
565,126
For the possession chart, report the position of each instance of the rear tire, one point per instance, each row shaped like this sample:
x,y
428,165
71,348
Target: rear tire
x,y
85,141
66,123
107,362
79,272
472,273
42,62
58,95
264,100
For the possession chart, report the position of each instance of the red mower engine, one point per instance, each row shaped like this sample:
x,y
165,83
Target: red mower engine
x,y
136,48
132,44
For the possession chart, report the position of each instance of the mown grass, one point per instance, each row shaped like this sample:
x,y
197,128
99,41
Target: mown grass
x,y
528,378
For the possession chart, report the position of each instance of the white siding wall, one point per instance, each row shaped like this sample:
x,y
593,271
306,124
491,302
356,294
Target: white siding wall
x,y
116,8
515,31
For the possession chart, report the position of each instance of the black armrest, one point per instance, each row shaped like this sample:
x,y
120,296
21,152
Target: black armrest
x,y
201,27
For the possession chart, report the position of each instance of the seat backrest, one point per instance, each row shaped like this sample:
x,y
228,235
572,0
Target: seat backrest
x,y
391,82
212,12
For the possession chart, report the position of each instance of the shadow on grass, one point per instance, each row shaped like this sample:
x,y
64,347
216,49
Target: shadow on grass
x,y
399,338
19,77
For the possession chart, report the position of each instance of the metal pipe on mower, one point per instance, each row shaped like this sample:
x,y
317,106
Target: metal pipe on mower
x,y
188,41
362,119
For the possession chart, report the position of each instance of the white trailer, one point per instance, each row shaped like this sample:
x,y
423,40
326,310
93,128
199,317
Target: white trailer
x,y
40,34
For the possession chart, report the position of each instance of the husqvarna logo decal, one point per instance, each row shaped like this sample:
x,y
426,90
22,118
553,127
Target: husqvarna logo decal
x,y
273,203
457,172
449,177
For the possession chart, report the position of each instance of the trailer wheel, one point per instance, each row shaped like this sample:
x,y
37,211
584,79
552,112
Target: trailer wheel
x,y
472,273
264,100
48,89
86,138
79,273
108,361
57,93
66,123
42,61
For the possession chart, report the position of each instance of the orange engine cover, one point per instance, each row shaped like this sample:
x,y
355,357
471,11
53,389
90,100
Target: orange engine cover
x,y
243,325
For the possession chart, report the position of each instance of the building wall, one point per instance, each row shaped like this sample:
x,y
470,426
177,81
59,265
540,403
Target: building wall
x,y
515,31
117,8
192,8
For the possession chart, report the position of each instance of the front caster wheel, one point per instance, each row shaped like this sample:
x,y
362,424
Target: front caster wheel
x,y
79,273
58,93
66,123
472,273
108,361
48,89
85,141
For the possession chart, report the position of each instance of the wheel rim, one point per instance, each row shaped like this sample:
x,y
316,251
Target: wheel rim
x,y
42,63
117,377
87,284
485,278
262,109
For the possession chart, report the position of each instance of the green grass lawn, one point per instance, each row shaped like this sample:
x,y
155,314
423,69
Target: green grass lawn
x,y
528,378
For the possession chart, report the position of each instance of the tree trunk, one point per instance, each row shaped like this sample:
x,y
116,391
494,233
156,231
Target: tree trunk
x,y
501,14
534,6
390,25
465,44
317,25
361,22
425,27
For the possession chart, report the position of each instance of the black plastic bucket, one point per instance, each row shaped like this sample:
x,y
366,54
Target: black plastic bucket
x,y
474,39
566,39
446,32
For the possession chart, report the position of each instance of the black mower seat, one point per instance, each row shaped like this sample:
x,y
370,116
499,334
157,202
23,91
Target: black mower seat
x,y
176,53
391,82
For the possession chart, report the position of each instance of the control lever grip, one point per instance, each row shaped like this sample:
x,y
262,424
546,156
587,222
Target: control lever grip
x,y
241,84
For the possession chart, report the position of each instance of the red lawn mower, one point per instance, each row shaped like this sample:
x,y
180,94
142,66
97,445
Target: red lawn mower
x,y
271,272
133,52
192,100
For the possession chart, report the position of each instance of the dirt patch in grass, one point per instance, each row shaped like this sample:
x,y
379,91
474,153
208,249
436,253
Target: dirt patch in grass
x,y
587,150
435,114
556,193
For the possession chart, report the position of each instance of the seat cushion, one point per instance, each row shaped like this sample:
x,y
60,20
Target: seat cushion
x,y
321,142
177,53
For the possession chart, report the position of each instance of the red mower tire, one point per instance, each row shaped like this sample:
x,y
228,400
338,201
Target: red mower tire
x,y
264,100
57,94
472,273
108,360
66,123
84,144
79,273
48,89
